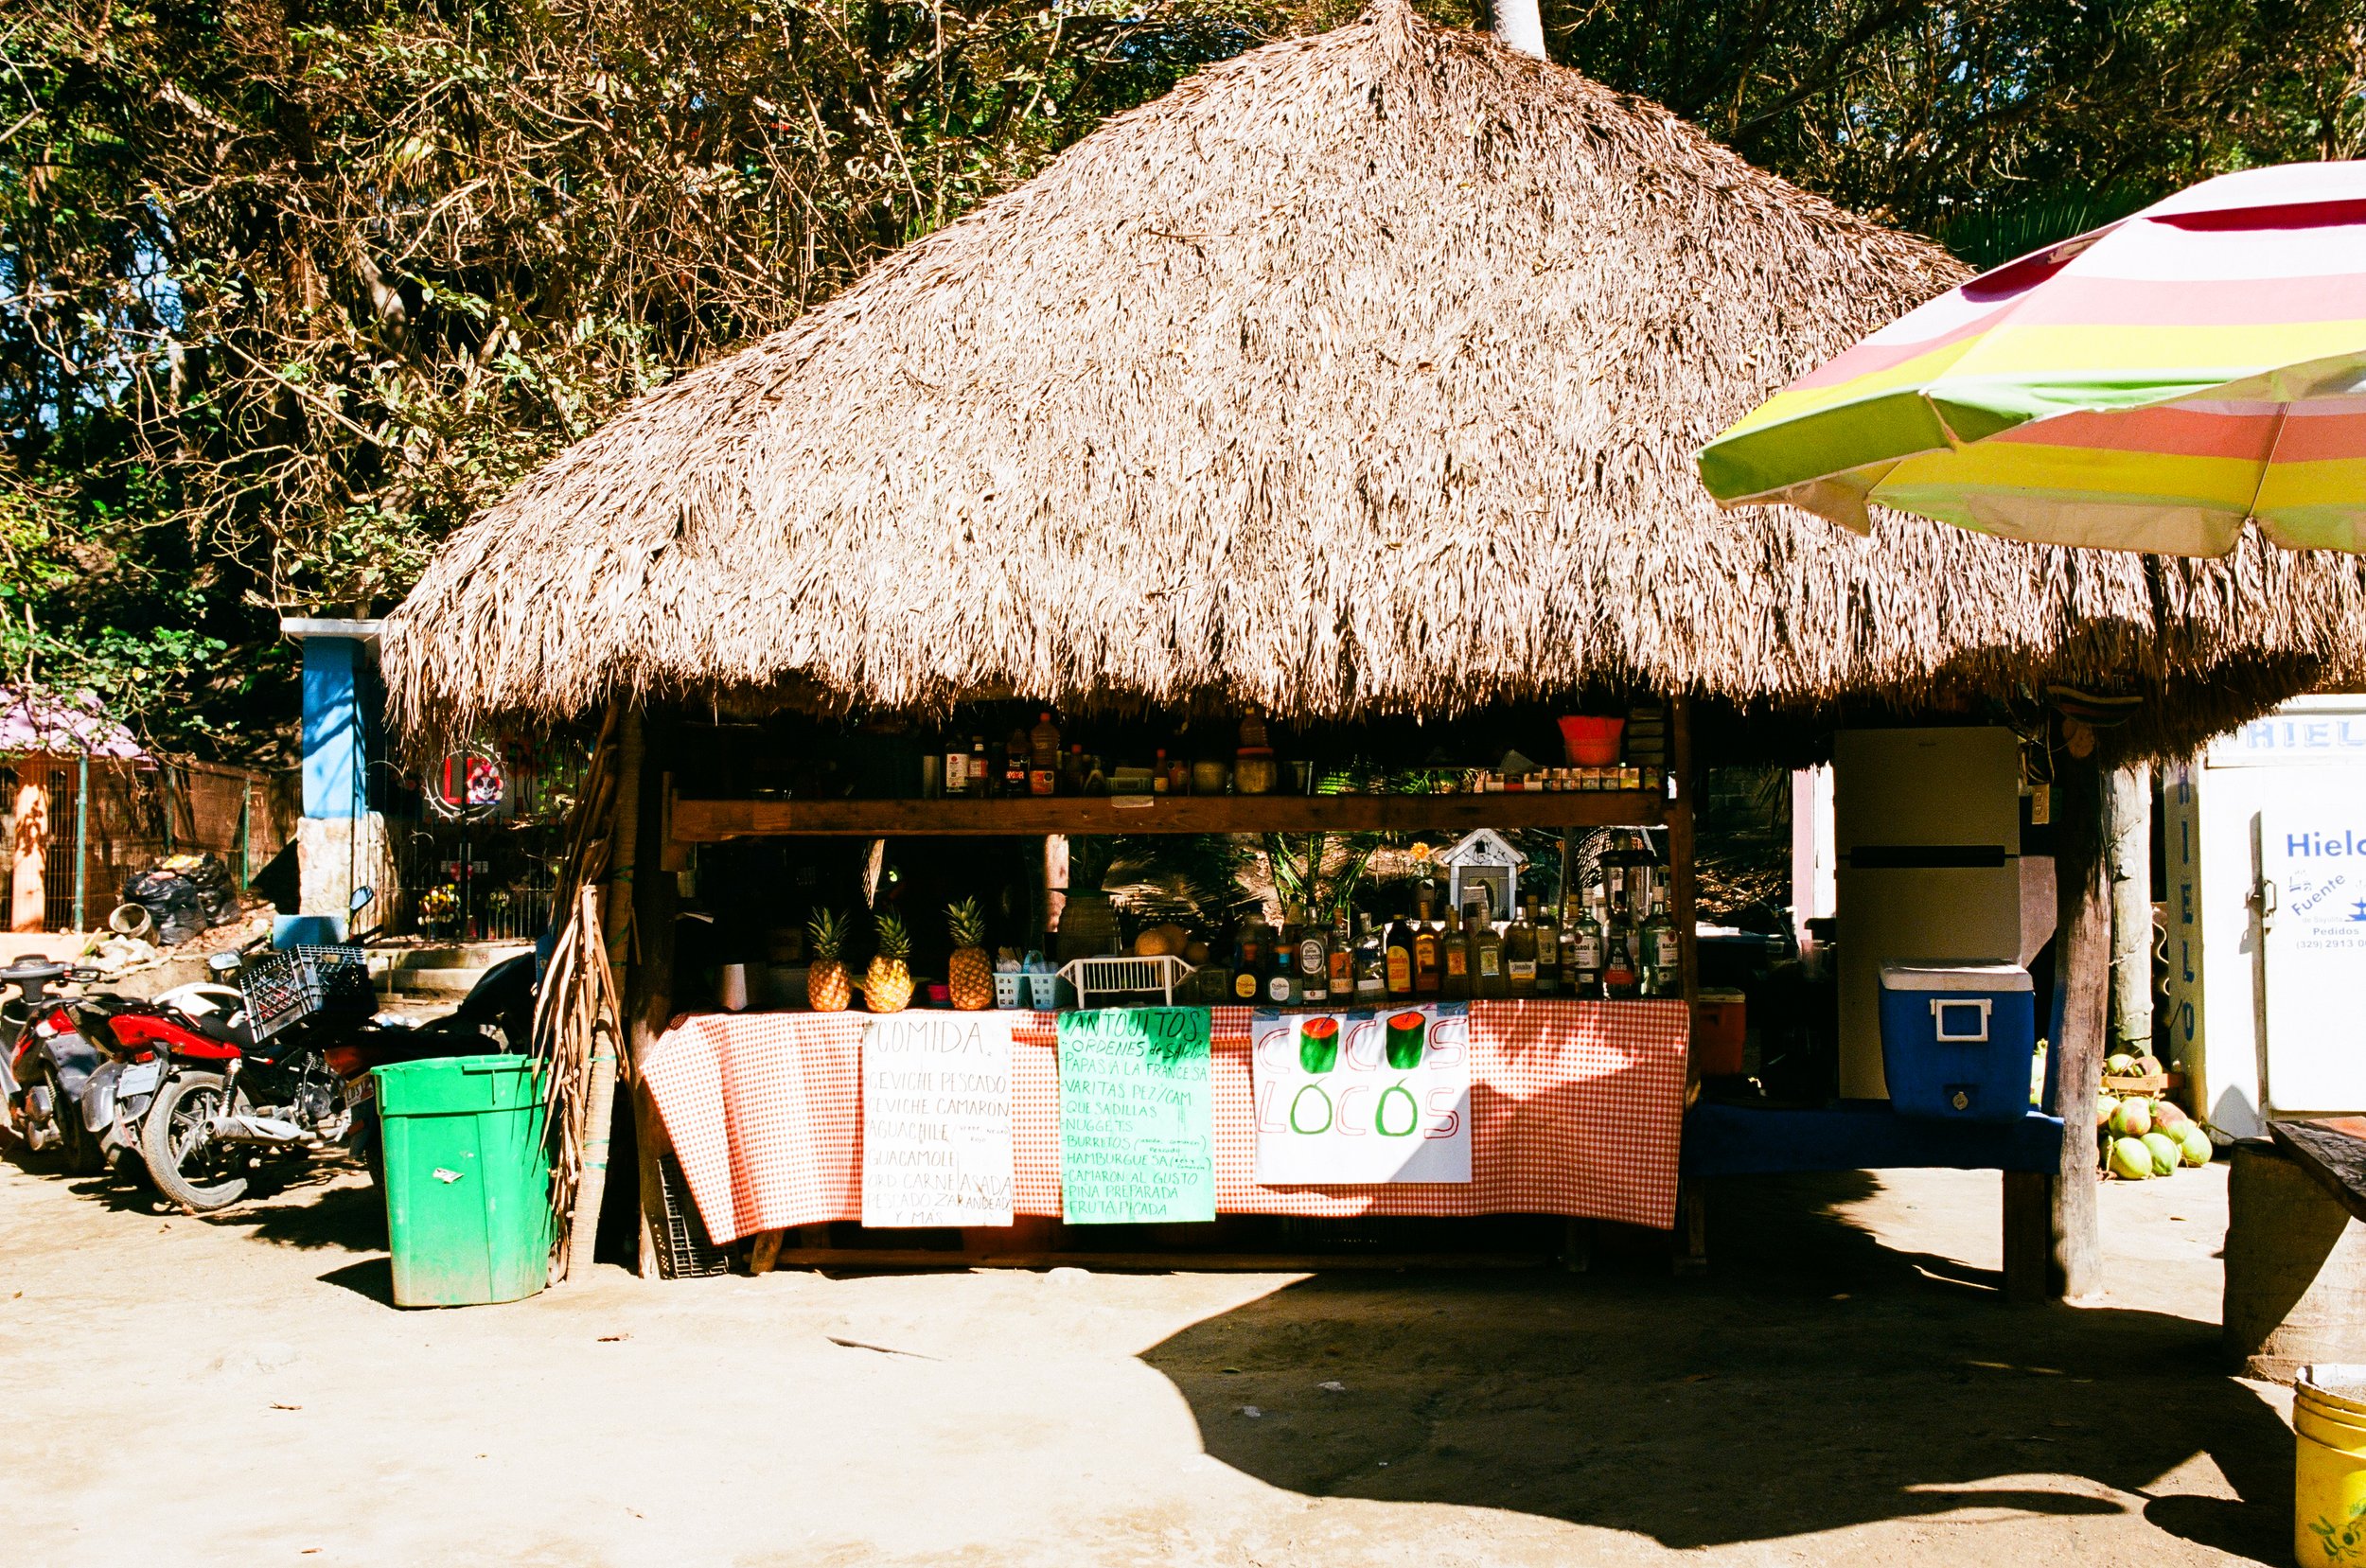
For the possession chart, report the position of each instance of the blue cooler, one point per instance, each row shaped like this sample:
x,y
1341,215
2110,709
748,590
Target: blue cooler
x,y
1956,1039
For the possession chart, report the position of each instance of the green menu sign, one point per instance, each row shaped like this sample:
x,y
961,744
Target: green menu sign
x,y
1136,1116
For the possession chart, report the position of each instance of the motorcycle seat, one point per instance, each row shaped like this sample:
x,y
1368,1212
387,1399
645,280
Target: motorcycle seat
x,y
215,1027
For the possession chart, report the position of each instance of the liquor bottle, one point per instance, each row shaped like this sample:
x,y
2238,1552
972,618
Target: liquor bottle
x,y
1313,951
1547,949
1619,981
1018,762
1371,964
978,780
1428,972
1043,762
1580,952
1487,954
1248,961
1662,955
1520,951
956,768
1454,949
1400,954
1282,968
1342,960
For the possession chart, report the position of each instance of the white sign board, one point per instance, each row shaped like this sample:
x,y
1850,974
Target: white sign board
x,y
1360,1097
2312,849
936,1119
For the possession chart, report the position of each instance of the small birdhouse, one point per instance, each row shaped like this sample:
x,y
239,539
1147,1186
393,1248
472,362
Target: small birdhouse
x,y
1484,861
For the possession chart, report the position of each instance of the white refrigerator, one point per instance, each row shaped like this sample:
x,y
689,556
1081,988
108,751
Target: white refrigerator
x,y
1927,834
2265,837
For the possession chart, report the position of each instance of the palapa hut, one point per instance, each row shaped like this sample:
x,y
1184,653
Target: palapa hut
x,y
1359,375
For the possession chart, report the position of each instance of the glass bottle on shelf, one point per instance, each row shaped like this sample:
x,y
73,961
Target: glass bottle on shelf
x,y
1018,762
1043,761
1428,970
1248,961
1314,954
979,778
1581,951
1520,951
1342,960
1453,950
1662,955
1487,953
1621,983
1547,948
956,768
1400,956
1371,964
1282,968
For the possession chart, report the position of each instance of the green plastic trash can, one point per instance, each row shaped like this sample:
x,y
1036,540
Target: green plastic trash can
x,y
468,1180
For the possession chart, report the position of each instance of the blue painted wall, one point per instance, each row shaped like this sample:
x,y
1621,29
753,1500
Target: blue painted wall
x,y
335,756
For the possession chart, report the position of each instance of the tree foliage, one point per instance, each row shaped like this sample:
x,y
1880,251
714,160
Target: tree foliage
x,y
289,288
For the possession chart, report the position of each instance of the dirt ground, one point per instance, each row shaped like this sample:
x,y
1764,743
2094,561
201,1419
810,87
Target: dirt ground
x,y
1845,1387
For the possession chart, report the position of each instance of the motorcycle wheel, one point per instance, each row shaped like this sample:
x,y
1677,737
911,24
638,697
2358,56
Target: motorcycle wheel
x,y
183,1160
76,1148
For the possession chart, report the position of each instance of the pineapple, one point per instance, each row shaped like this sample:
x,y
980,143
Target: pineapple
x,y
887,986
826,988
970,976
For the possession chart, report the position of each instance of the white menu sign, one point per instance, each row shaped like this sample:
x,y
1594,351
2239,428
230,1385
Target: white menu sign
x,y
936,1119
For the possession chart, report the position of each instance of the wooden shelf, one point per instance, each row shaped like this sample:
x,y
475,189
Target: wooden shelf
x,y
711,822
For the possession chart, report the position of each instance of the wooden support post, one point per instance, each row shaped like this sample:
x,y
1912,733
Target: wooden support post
x,y
2028,1228
764,1251
1683,889
1692,1228
616,906
2128,864
649,999
2082,967
1577,1245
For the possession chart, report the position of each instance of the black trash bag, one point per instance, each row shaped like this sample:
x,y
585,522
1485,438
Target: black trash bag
x,y
185,895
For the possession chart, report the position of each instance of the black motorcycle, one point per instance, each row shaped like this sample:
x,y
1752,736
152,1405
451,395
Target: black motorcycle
x,y
300,1080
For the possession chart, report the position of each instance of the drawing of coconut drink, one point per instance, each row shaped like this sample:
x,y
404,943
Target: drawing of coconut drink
x,y
1319,1043
1404,1040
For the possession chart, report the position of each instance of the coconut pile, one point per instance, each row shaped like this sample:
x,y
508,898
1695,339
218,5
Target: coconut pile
x,y
2144,1136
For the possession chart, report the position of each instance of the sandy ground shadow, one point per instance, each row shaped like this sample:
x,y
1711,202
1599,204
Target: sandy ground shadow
x,y
1816,1379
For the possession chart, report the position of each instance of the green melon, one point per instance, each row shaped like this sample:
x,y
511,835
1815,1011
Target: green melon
x,y
2170,1117
2131,1160
2119,1065
2166,1151
2132,1118
2194,1144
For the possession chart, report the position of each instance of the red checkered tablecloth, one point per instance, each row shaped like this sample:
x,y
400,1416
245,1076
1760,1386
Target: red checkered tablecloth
x,y
1575,1110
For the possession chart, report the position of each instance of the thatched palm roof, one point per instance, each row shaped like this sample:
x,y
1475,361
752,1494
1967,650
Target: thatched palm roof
x,y
1360,373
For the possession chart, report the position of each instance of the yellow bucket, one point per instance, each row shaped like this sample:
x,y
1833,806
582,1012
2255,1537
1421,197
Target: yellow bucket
x,y
2329,1468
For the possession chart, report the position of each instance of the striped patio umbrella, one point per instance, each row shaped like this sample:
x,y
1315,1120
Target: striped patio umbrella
x,y
2148,387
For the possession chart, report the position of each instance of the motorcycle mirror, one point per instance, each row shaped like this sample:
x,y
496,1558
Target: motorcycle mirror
x,y
359,900
222,963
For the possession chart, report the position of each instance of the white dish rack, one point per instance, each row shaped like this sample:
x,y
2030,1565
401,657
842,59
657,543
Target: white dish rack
x,y
1125,976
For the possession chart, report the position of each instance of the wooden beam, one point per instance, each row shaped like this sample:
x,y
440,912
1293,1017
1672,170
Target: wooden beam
x,y
711,822
1198,1262
2082,965
2028,1228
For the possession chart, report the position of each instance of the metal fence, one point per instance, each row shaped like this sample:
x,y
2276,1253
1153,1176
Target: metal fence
x,y
100,821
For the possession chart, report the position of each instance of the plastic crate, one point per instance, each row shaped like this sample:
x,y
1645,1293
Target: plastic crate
x,y
284,989
1135,978
683,1249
